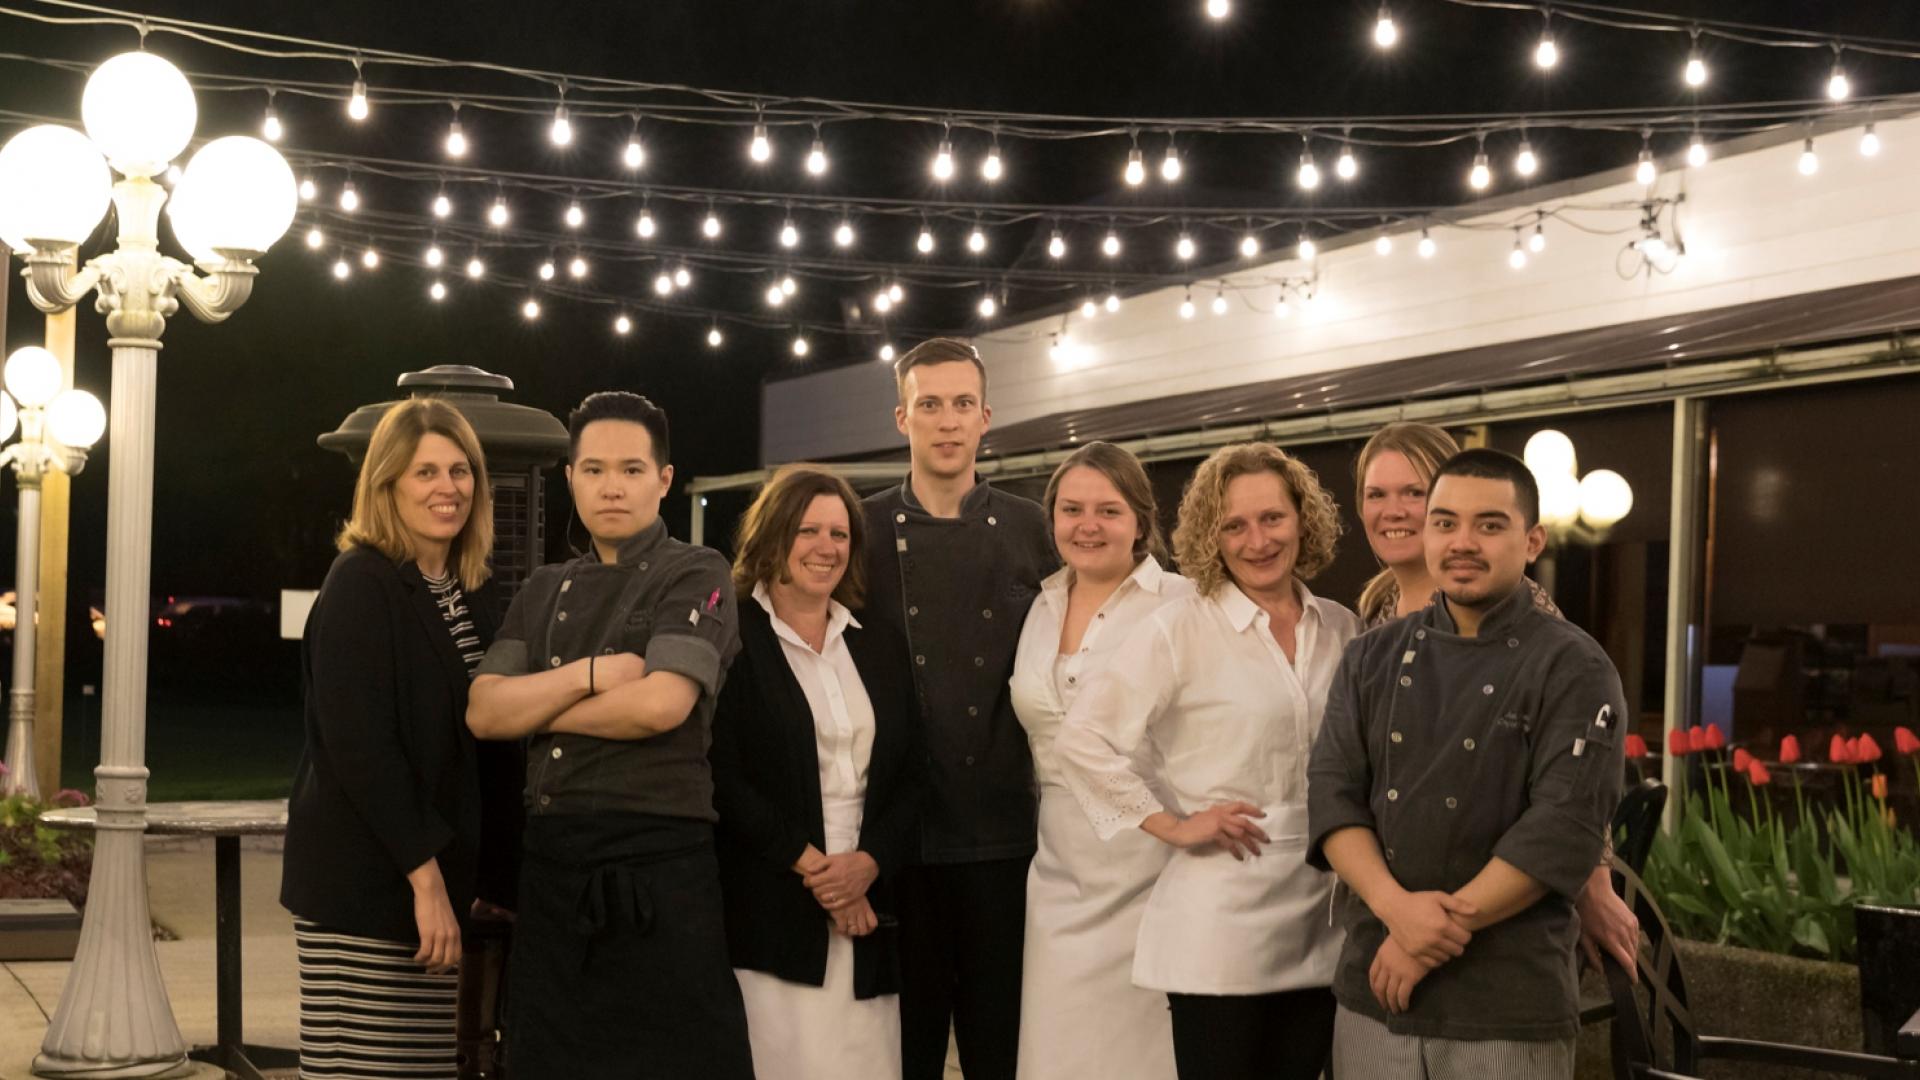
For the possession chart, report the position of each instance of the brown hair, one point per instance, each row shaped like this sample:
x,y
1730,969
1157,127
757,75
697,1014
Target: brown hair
x,y
940,350
1196,539
1426,448
1127,475
376,518
768,529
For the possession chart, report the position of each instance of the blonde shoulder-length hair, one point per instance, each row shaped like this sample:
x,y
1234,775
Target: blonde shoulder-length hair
x,y
376,518
1196,538
1426,448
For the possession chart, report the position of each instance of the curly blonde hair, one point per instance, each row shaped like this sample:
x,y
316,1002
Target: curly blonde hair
x,y
1196,538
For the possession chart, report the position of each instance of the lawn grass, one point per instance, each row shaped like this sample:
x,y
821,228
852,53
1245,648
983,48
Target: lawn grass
x,y
243,751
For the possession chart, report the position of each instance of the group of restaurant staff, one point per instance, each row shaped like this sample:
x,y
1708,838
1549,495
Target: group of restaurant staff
x,y
946,768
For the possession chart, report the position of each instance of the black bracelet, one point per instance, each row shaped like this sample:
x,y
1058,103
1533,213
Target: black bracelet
x,y
589,675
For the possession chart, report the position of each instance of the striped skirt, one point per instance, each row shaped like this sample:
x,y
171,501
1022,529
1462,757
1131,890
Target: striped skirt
x,y
369,1010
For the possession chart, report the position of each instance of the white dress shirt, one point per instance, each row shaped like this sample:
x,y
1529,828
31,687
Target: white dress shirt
x,y
842,716
1202,690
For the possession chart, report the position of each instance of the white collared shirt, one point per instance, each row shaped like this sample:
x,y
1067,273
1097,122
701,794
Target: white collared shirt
x,y
1045,682
842,712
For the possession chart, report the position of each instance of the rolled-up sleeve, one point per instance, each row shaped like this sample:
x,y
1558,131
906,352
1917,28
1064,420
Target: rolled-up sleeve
x,y
508,653
1574,775
1339,774
1101,742
695,624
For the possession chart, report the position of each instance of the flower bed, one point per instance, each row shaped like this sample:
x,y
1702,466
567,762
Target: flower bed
x,y
39,862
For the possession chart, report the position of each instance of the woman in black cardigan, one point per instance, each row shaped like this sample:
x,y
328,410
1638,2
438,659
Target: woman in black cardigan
x,y
383,847
816,783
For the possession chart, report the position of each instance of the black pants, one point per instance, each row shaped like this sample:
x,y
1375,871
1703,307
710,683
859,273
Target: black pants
x,y
1283,1036
961,931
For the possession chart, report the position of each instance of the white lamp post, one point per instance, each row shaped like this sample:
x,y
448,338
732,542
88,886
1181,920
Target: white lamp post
x,y
236,198
56,428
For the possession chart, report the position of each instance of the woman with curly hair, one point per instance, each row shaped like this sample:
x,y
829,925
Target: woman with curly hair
x,y
1198,734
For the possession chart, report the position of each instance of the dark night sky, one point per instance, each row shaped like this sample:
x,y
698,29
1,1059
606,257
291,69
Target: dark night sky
x,y
246,503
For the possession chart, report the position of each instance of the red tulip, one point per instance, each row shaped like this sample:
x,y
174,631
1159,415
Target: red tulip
x,y
1636,746
1758,774
1790,750
1905,741
1741,759
1677,745
1716,738
1696,738
1880,786
1839,752
1867,749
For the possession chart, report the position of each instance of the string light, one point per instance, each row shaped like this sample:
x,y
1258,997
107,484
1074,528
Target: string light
x,y
682,277
714,337
644,225
1385,33
1517,258
943,161
475,268
456,138
774,296
1220,301
886,352
1869,142
710,228
1426,247
497,214
924,242
1695,73
1481,174
663,283
530,309
843,235
622,325
1644,172
349,198
577,267
1186,305
315,238
789,235
635,155
434,256
991,169
1546,54
1696,150
1057,245
1136,172
1537,243
340,268
1383,244
1183,248
1525,162
1218,9
438,291
442,206
1280,307
270,126
1837,85
896,293
761,148
882,303
1306,248
817,156
800,346
1089,309
1170,168
1809,161
1110,247
1112,303
976,240
1309,174
1345,166
562,130
357,99
575,216
1249,246
988,306
788,286
308,191
546,270
370,258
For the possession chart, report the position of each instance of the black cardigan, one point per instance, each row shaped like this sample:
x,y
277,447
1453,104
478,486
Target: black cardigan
x,y
767,789
388,777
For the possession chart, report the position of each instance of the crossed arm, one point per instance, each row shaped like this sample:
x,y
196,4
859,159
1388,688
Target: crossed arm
x,y
608,697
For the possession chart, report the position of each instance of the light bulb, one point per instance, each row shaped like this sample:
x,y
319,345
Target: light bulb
x,y
1309,174
1136,172
943,161
988,306
1186,307
1697,152
644,224
633,157
456,140
1089,309
682,277
341,269
1183,248
442,206
1219,303
800,346
622,325
1426,247
976,241
1480,175
1170,165
886,353
1695,74
1517,258
761,148
1644,171
575,216
1385,33
1537,242
307,191
497,214
1057,245
1383,244
663,283
349,198
1809,161
924,242
1110,246
476,268
1113,302
1546,54
577,267
434,257
562,130
1306,249
775,297
315,238
357,101
817,158
1869,142
530,309
882,303
896,293
1525,163
547,271
437,290
1218,9
789,236
843,235
1281,309
270,127
788,286
1345,166
1837,85
990,170
714,338
710,228
370,259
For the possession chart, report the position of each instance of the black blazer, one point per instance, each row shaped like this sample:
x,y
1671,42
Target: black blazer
x,y
766,783
388,777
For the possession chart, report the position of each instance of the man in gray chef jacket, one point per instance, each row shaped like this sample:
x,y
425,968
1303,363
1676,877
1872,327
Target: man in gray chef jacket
x,y
1462,786
953,564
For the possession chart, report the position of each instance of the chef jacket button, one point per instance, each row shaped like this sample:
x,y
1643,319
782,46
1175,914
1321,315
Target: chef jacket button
x,y
555,662
900,519
556,753
544,800
643,566
1452,803
1487,689
1389,854
991,520
915,610
1395,736
1513,643
1468,744
1406,680
973,710
921,660
1393,794
608,651
979,661
986,613
969,759
560,617
1420,634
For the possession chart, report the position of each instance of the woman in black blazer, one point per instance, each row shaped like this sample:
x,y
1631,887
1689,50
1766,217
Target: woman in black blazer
x,y
383,845
815,771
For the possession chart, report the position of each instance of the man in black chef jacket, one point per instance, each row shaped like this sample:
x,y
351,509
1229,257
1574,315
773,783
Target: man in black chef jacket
x,y
1462,785
953,564
610,664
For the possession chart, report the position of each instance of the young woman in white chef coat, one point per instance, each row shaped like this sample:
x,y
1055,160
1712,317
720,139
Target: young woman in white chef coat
x,y
1081,1017
1198,735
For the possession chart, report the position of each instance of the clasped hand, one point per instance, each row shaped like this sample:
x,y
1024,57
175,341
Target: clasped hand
x,y
1424,930
839,885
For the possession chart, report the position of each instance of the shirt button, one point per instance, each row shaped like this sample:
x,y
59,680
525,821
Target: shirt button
x,y
1395,736
1072,680
1468,744
913,611
986,613
560,617
1452,802
1513,643
1389,854
1487,689
973,710
921,660
555,662
979,661
556,753
991,520
544,800
1420,634
1393,794
1406,680
900,519
643,566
